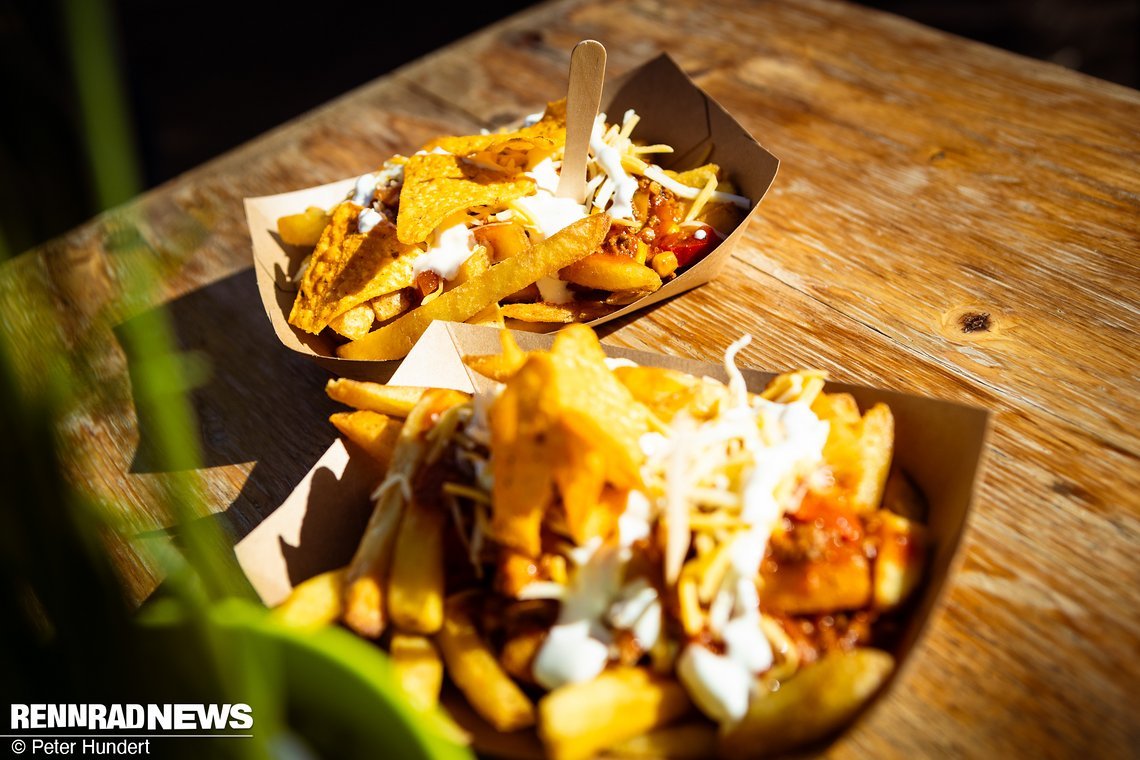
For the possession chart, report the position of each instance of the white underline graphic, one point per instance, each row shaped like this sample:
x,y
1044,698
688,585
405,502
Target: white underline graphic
x,y
126,736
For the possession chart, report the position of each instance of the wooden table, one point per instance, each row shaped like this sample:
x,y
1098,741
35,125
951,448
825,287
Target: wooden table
x,y
949,219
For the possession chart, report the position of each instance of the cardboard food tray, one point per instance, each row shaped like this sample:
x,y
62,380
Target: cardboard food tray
x,y
938,443
673,110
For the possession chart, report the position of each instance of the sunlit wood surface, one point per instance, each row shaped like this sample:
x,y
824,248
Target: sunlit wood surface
x,y
949,219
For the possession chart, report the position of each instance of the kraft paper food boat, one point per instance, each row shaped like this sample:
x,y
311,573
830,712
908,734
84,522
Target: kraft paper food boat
x,y
940,444
673,110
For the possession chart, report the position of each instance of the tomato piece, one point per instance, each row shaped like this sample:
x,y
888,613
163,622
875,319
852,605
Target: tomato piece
x,y
690,246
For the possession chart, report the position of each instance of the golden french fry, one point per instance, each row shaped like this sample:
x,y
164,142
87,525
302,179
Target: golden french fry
x,y
374,432
810,587
556,313
304,228
391,305
415,583
611,271
817,701
876,444
419,670
354,323
474,669
899,559
393,400
477,263
315,602
690,741
501,366
578,720
538,312
366,580
393,341
858,451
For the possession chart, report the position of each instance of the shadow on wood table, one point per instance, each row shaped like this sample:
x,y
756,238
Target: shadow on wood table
x,y
233,363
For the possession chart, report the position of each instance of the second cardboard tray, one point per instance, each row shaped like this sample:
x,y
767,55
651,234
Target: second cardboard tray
x,y
939,444
673,110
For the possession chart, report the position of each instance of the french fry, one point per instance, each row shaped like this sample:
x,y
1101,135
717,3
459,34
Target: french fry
x,y
415,583
611,271
304,228
899,559
556,313
578,720
859,451
804,588
314,603
419,670
391,305
538,312
877,441
691,741
392,400
393,341
817,701
374,432
366,580
474,669
354,323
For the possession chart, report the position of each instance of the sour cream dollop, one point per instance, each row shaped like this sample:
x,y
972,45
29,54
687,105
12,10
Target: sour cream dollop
x,y
450,249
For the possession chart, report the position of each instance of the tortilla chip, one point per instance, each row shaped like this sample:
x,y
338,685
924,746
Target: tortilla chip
x,y
349,268
548,133
595,405
563,423
698,177
522,456
438,185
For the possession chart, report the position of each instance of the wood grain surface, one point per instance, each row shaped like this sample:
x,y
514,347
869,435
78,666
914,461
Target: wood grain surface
x,y
949,219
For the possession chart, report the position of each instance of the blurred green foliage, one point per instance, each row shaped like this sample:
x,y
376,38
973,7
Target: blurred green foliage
x,y
68,633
